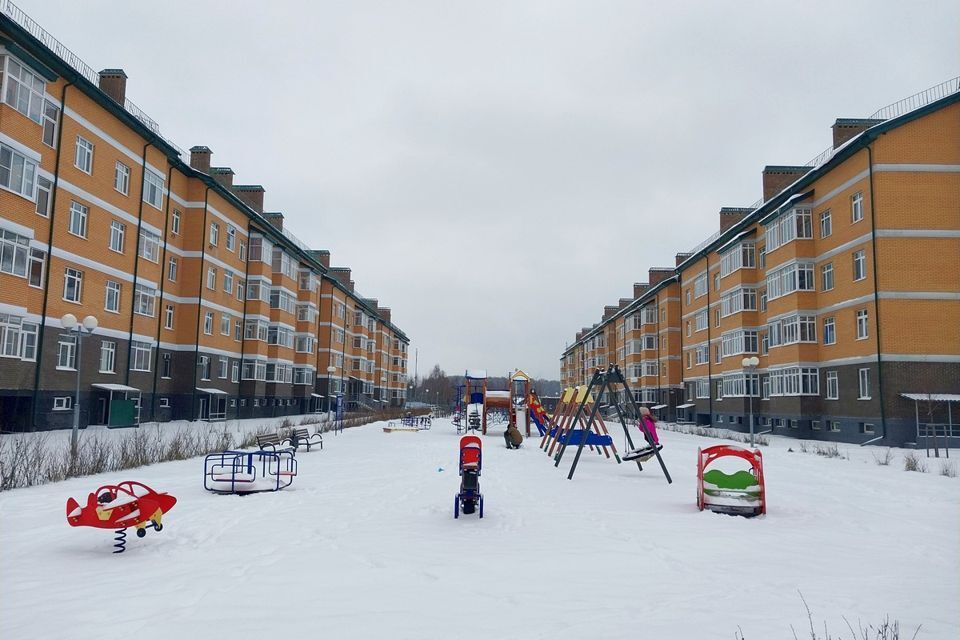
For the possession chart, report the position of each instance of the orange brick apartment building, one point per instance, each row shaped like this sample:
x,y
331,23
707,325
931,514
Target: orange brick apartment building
x,y
844,281
208,306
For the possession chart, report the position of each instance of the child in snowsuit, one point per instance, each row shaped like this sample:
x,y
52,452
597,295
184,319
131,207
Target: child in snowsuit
x,y
648,427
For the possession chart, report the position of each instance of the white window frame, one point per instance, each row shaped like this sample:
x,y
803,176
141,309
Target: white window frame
x,y
214,234
14,164
832,391
76,276
859,265
108,356
24,90
829,330
148,246
856,207
863,384
153,189
173,266
826,277
77,224
175,222
83,155
118,233
826,224
112,293
863,324
168,313
121,178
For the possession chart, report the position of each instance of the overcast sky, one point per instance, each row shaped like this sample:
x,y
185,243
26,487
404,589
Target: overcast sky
x,y
496,172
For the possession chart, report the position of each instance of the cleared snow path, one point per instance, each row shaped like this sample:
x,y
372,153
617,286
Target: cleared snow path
x,y
364,545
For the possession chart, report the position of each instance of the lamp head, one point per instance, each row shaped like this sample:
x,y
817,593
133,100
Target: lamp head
x,y
68,321
90,323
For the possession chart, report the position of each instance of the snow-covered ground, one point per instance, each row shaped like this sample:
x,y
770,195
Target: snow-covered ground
x,y
364,545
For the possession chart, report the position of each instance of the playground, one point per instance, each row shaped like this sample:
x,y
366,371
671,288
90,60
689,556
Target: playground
x,y
364,545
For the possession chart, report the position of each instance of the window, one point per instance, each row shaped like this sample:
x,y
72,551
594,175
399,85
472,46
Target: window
x,y
716,317
228,282
175,222
741,385
835,426
792,329
702,354
762,257
856,207
172,266
51,114
862,324
235,371
144,299
866,428
741,256
112,297
826,225
739,341
864,390
14,251
719,387
153,189
237,330
168,317
164,403
43,196
718,357
17,172
737,300
241,287
833,386
815,425
700,285
689,328
118,231
35,269
795,381
242,252
204,367
208,323
18,339
83,158
826,277
149,246
231,237
829,331
793,225
214,233
224,325
688,296
166,366
63,403
763,300
797,276
701,320
78,219
211,277
108,356
859,265
66,353
72,285
121,178
224,365
24,90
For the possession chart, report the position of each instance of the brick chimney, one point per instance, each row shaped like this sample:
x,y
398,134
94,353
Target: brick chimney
x,y
681,258
251,195
384,313
351,285
639,288
608,311
322,256
341,274
624,302
730,216
113,82
777,178
223,175
200,158
275,218
656,275
846,128
579,335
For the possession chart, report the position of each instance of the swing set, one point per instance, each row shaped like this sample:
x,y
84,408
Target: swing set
x,y
604,380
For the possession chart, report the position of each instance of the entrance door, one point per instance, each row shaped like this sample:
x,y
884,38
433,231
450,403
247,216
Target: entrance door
x,y
102,415
204,407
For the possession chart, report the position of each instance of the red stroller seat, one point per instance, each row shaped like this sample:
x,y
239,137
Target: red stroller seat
x,y
469,498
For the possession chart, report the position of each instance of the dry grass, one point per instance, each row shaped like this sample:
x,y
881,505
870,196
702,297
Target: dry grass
x,y
716,434
883,459
948,469
912,461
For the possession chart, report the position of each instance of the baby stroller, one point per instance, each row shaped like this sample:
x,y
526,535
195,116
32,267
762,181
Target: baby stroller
x,y
469,498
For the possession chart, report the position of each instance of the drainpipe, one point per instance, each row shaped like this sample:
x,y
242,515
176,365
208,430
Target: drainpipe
x,y
136,259
201,279
243,317
49,259
163,282
876,294
709,345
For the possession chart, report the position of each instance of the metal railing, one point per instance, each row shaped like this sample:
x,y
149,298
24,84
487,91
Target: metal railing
x,y
16,14
918,100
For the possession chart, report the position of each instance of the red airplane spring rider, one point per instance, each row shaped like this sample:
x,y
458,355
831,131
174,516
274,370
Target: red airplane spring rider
x,y
118,506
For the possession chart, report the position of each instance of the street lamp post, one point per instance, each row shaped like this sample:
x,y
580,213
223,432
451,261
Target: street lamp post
x,y
74,328
750,367
330,371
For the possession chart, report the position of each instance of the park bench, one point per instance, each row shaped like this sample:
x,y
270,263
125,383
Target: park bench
x,y
300,436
